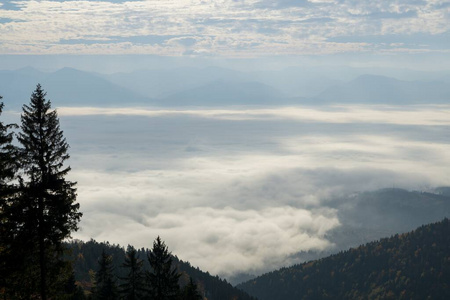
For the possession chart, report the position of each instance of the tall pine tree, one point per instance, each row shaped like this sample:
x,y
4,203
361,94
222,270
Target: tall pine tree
x,y
163,278
105,283
133,286
47,196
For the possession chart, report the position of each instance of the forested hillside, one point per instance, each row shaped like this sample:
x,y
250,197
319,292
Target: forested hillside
x,y
86,256
413,265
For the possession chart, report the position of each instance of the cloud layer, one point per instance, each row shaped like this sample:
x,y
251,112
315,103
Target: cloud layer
x,y
243,190
223,28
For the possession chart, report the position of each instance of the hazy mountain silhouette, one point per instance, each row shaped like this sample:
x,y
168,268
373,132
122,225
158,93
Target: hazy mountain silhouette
x,y
65,87
380,89
221,92
17,86
214,86
77,88
297,82
163,83
293,81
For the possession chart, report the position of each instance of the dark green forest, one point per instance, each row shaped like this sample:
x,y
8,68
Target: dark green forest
x,y
413,265
85,256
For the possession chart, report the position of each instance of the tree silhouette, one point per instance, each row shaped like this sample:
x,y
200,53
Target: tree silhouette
x,y
72,290
190,291
48,198
133,286
163,278
8,164
105,284
8,168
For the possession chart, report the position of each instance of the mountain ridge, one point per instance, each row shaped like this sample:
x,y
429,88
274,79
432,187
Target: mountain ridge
x,y
413,265
215,86
378,89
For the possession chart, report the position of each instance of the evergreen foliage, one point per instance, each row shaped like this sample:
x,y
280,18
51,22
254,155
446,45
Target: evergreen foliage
x,y
43,154
45,213
163,278
37,208
86,254
133,286
414,265
72,290
8,165
38,211
105,283
190,291
10,266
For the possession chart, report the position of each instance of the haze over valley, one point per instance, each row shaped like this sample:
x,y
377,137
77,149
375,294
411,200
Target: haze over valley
x,y
248,188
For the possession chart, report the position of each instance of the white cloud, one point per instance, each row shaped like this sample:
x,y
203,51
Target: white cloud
x,y
236,190
400,115
226,28
224,241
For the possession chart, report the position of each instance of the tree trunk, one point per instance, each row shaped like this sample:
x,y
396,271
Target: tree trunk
x,y
42,264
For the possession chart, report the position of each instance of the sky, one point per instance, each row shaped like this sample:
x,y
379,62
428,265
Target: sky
x,y
398,30
235,189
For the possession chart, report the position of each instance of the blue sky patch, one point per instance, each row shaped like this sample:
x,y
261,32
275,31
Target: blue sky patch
x,y
9,5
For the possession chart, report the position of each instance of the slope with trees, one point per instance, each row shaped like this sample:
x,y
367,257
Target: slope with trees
x,y
414,265
85,256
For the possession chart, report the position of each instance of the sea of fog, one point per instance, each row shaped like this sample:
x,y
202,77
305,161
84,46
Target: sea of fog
x,y
242,189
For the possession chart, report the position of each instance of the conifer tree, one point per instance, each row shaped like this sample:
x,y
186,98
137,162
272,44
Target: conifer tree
x,y
8,168
163,278
105,283
133,286
8,164
190,291
71,290
48,198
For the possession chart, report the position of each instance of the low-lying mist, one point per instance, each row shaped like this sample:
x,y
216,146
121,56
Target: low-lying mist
x,y
244,189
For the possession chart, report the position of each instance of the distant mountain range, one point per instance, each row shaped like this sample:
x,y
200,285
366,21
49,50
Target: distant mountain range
x,y
414,265
160,84
219,93
65,87
380,89
214,87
